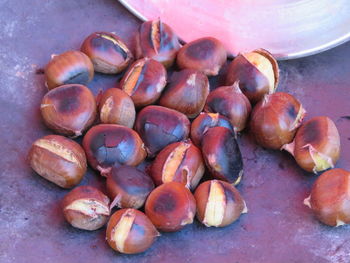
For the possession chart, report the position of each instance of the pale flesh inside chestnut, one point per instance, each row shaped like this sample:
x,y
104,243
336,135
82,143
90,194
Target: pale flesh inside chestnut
x,y
215,208
121,231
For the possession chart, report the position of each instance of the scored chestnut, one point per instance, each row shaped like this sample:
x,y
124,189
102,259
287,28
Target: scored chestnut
x,y
178,162
158,41
69,109
330,197
159,126
170,207
218,203
108,53
71,67
316,146
129,231
275,119
186,93
128,187
205,121
257,73
144,81
116,107
58,159
230,102
86,207
205,54
222,155
108,145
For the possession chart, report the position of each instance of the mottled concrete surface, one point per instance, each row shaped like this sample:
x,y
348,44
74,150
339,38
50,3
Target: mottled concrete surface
x,y
278,227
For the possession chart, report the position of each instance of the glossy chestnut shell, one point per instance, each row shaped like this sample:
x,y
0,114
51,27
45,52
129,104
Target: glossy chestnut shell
x,y
71,67
186,93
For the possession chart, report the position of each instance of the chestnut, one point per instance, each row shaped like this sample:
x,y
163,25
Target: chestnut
x,y
159,126
330,197
71,67
108,53
144,81
257,73
108,145
205,54
128,187
218,203
116,107
69,109
170,207
222,155
178,162
230,102
205,121
158,41
86,207
58,159
129,231
316,146
275,119
186,92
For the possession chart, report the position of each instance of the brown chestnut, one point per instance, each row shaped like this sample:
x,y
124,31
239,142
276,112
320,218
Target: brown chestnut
x,y
222,155
257,73
159,126
144,81
116,107
129,231
316,146
108,145
230,102
170,207
205,54
69,109
128,187
330,197
58,159
86,207
158,41
218,203
275,119
186,93
108,53
71,67
178,162
205,121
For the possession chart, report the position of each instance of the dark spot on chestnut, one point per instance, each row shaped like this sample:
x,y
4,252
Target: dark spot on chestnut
x,y
81,76
201,50
164,203
105,45
312,132
68,99
229,195
292,111
138,229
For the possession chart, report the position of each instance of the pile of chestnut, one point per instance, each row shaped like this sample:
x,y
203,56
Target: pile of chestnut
x,y
190,131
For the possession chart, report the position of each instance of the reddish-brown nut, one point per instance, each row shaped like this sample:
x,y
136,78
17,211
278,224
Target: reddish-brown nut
x,y
159,126
257,73
170,207
108,53
116,107
69,109
230,102
316,146
128,187
71,67
144,81
218,203
205,121
330,197
205,54
58,159
129,231
178,162
275,119
187,92
222,155
86,207
157,40
108,145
